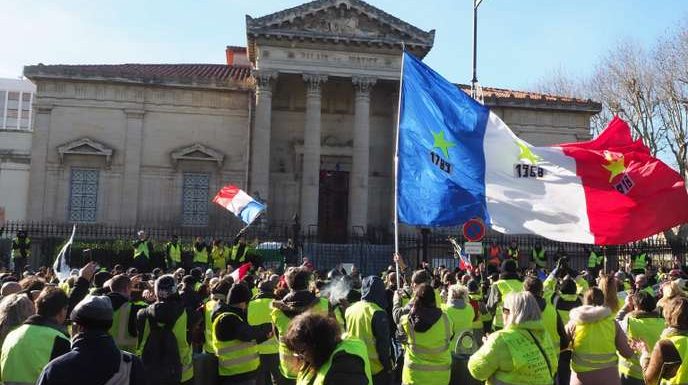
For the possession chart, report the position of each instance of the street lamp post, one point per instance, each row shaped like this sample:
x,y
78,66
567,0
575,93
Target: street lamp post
x,y
474,81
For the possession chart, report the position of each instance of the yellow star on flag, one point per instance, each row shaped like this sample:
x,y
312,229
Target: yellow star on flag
x,y
442,143
527,153
615,166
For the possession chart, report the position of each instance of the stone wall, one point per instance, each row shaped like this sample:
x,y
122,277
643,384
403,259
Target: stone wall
x,y
142,125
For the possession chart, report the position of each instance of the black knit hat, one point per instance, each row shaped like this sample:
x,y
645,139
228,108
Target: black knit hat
x,y
93,312
239,293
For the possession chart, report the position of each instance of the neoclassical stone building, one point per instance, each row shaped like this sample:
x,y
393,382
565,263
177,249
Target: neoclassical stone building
x,y
303,117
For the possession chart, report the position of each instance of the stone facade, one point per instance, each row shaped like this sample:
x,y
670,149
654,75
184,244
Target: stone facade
x,y
311,131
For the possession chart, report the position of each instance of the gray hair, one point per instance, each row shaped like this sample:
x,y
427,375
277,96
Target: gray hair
x,y
14,310
523,307
457,292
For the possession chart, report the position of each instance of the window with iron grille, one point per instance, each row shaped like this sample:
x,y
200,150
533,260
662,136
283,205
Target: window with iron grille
x,y
83,195
195,199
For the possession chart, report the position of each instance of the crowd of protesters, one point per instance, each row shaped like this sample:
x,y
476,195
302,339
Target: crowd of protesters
x,y
510,318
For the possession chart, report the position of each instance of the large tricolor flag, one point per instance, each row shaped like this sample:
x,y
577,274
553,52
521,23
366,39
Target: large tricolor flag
x,y
457,160
239,203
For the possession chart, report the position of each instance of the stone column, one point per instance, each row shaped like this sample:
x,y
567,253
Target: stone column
x,y
133,145
260,138
358,189
310,177
39,159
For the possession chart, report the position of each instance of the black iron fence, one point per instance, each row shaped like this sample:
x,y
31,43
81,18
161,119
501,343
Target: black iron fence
x,y
371,251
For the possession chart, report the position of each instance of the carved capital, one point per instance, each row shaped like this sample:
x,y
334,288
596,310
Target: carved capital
x,y
264,79
363,85
314,82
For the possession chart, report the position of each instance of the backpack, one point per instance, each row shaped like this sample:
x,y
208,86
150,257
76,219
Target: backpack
x,y
161,355
122,376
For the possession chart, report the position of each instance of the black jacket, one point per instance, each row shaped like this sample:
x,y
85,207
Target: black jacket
x,y
166,313
373,290
93,360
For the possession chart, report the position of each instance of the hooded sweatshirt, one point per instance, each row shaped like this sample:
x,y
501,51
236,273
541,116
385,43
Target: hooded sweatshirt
x,y
373,290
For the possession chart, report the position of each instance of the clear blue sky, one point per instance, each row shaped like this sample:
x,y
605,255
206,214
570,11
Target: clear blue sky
x,y
520,41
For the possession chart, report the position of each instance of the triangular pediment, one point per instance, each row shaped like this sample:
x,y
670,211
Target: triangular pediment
x,y
340,20
85,146
198,152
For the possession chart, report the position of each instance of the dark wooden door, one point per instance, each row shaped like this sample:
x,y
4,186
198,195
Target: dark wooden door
x,y
333,206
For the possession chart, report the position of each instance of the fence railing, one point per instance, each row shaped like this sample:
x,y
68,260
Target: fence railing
x,y
371,251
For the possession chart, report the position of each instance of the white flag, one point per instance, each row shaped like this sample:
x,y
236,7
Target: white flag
x,y
60,266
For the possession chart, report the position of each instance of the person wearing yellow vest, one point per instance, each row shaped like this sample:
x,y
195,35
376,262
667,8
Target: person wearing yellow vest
x,y
201,252
513,251
426,333
299,300
564,301
167,312
641,284
641,323
235,342
173,253
41,338
639,262
509,282
239,253
367,321
123,329
94,358
21,251
521,352
551,319
218,256
402,299
143,248
324,357
483,316
259,310
539,256
595,261
462,344
218,296
668,361
595,340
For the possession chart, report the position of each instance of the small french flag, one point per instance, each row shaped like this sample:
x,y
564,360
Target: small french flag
x,y
239,203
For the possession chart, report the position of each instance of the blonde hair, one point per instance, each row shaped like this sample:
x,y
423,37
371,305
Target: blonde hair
x,y
523,307
670,291
457,291
609,288
14,310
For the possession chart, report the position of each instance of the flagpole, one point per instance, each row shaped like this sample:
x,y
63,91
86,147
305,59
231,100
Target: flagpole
x,y
396,171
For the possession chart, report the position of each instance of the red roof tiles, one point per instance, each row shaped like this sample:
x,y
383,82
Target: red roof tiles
x,y
148,73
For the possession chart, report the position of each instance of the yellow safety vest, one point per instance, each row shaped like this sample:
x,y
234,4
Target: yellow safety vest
x,y
219,258
594,259
235,357
25,352
200,256
539,257
427,355
581,285
175,253
259,314
142,249
340,317
646,329
185,353
505,286
594,346
120,329
26,242
549,321
208,326
640,262
289,364
359,322
529,364
462,342
681,344
350,346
